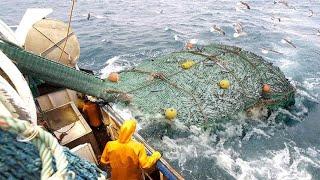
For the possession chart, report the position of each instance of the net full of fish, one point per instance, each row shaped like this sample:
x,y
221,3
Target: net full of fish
x,y
161,83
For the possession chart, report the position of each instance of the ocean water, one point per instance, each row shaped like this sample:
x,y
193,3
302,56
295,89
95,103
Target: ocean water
x,y
122,33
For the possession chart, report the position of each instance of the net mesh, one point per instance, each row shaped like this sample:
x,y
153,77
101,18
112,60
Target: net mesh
x,y
157,84
161,83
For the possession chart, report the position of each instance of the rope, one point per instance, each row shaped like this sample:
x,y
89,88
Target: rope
x,y
45,52
64,46
237,53
47,145
164,78
218,62
161,76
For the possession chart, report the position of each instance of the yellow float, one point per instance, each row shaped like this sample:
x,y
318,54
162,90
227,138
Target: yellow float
x,y
224,84
170,113
187,64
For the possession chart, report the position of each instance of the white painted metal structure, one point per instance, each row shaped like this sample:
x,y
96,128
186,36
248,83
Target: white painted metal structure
x,y
31,16
7,33
14,86
20,85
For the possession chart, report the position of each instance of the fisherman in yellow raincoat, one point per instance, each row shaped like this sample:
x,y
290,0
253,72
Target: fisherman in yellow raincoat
x,y
127,156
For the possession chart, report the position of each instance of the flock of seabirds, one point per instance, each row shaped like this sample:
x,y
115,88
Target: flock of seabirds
x,y
239,30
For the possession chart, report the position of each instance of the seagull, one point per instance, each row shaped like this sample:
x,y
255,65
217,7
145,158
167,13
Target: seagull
x,y
310,13
242,5
318,32
245,4
276,18
238,30
88,17
286,41
267,50
216,28
281,2
191,44
284,3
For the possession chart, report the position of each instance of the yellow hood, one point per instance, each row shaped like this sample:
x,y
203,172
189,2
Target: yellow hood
x,y
126,131
127,157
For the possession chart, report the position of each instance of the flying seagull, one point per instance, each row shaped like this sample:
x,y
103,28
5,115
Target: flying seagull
x,y
267,50
238,30
276,18
285,3
310,13
245,4
242,5
286,41
216,28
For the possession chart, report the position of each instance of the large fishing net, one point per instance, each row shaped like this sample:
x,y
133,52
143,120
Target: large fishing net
x,y
164,82
186,81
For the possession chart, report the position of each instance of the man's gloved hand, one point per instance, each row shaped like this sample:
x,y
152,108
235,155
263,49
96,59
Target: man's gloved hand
x,y
156,155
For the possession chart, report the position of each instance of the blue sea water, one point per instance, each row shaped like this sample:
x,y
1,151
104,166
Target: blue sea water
x,y
122,33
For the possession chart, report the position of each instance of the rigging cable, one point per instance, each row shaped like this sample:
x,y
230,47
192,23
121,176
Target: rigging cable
x,y
64,46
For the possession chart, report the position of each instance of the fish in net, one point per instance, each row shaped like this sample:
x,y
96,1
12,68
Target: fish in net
x,y
190,82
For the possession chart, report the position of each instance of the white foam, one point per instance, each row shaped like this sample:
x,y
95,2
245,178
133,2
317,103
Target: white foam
x,y
236,35
284,64
193,41
290,162
256,132
176,37
279,164
312,83
111,66
99,16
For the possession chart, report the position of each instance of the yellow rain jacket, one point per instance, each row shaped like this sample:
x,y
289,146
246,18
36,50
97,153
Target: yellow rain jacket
x,y
127,156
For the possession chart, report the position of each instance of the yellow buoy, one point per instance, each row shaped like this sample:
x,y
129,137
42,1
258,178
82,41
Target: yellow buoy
x,y
188,64
170,113
224,84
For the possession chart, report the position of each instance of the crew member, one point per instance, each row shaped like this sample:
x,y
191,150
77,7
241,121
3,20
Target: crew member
x,y
126,156
92,111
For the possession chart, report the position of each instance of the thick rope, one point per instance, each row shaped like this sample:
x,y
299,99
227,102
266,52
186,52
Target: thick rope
x,y
45,52
47,145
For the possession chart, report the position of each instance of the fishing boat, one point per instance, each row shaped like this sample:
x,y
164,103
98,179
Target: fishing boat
x,y
57,104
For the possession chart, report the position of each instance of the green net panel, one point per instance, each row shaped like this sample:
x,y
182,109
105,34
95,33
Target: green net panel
x,y
161,83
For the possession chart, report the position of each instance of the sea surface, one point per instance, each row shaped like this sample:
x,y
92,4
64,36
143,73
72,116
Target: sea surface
x,y
122,33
